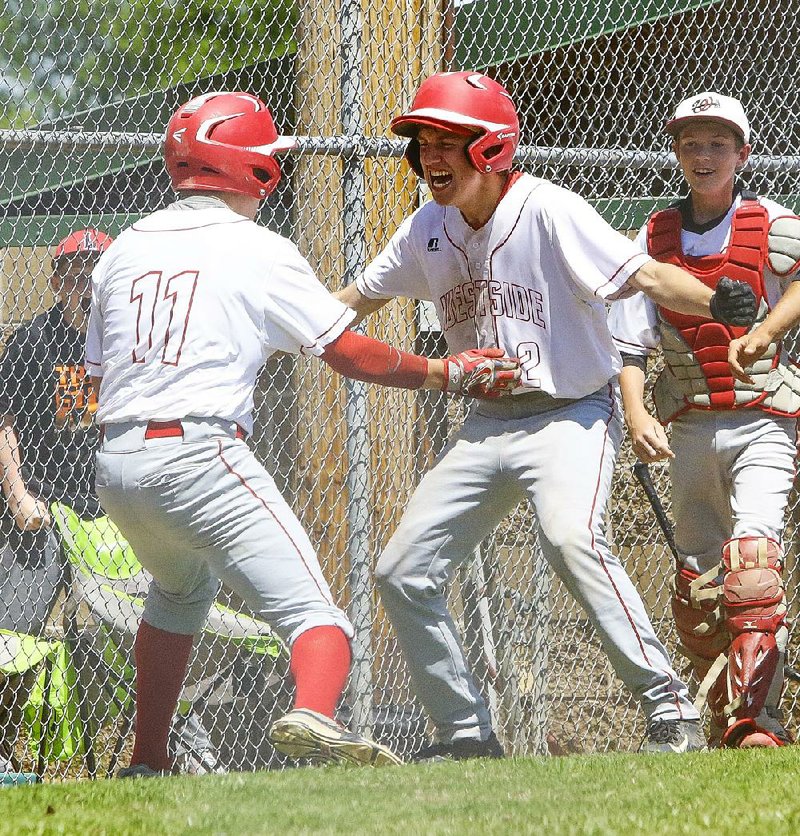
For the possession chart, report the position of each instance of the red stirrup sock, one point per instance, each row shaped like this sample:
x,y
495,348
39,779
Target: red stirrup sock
x,y
161,660
320,664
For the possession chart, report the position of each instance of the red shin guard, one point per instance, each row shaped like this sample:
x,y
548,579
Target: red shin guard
x,y
755,611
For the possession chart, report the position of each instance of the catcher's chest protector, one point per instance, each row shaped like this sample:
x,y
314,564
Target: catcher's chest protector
x,y
701,342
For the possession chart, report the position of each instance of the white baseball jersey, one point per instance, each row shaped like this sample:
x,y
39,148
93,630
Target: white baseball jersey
x,y
533,281
634,321
187,306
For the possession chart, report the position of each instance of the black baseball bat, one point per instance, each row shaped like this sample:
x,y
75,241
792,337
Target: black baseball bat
x,y
791,673
642,472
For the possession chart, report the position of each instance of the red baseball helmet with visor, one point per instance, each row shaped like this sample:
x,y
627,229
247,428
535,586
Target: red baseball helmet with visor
x,y
224,142
466,103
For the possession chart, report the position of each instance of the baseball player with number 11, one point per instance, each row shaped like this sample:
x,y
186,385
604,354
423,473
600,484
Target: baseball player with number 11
x,y
187,304
515,262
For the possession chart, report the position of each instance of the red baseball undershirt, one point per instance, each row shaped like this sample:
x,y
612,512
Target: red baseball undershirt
x,y
372,361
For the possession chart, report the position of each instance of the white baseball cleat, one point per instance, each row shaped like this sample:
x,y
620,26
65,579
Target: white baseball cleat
x,y
303,733
204,762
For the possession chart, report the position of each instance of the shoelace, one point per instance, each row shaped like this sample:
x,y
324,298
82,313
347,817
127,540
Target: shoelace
x,y
663,731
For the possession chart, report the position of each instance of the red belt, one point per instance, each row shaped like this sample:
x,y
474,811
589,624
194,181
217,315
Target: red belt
x,y
168,429
171,429
163,429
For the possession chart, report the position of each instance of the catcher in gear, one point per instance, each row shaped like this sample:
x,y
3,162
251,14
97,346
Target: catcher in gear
x,y
527,267
732,445
187,305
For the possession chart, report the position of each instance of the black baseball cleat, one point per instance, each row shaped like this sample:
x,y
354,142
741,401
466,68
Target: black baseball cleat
x,y
673,736
771,720
141,770
465,748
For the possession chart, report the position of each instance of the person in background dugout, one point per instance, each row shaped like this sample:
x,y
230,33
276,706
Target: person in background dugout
x,y
47,438
48,433
732,449
525,266
187,305
47,453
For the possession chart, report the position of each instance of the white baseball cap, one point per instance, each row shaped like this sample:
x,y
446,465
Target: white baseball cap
x,y
712,106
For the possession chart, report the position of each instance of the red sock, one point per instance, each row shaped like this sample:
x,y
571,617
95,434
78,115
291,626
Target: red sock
x,y
320,664
161,660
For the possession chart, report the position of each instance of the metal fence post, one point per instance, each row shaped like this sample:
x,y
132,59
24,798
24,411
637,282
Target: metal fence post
x,y
358,450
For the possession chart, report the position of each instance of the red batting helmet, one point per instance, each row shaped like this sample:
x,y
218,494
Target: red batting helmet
x,y
82,242
224,142
467,101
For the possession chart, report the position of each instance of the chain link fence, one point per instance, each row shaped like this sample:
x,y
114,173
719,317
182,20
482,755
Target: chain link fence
x,y
86,88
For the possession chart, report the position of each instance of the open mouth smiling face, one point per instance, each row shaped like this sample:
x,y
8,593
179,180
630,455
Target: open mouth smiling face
x,y
709,154
448,172
439,179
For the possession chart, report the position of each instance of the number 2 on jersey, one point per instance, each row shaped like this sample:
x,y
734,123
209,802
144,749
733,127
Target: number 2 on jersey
x,y
529,358
178,295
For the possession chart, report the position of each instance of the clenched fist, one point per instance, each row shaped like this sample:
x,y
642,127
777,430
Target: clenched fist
x,y
733,303
481,372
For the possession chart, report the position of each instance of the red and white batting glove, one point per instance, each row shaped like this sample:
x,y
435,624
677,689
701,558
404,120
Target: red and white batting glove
x,y
480,372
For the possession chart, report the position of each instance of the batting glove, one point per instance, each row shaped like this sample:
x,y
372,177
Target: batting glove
x,y
783,242
733,303
480,372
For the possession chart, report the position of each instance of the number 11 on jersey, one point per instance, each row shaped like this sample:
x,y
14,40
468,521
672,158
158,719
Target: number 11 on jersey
x,y
152,306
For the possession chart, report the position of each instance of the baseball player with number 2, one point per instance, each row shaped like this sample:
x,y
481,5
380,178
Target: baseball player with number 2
x,y
187,304
515,262
732,445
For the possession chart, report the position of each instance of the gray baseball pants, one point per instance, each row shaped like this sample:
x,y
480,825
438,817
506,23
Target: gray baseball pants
x,y
201,509
731,477
560,460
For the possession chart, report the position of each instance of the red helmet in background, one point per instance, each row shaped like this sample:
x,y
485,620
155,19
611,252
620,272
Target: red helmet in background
x,y
466,102
86,243
224,142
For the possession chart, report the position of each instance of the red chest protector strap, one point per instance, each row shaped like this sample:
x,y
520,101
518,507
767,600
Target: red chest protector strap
x,y
743,260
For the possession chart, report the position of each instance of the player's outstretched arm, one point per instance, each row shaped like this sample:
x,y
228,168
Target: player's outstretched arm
x,y
648,438
732,302
744,351
483,372
362,305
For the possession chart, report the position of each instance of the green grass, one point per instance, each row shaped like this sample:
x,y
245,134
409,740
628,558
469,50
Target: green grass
x,y
731,792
